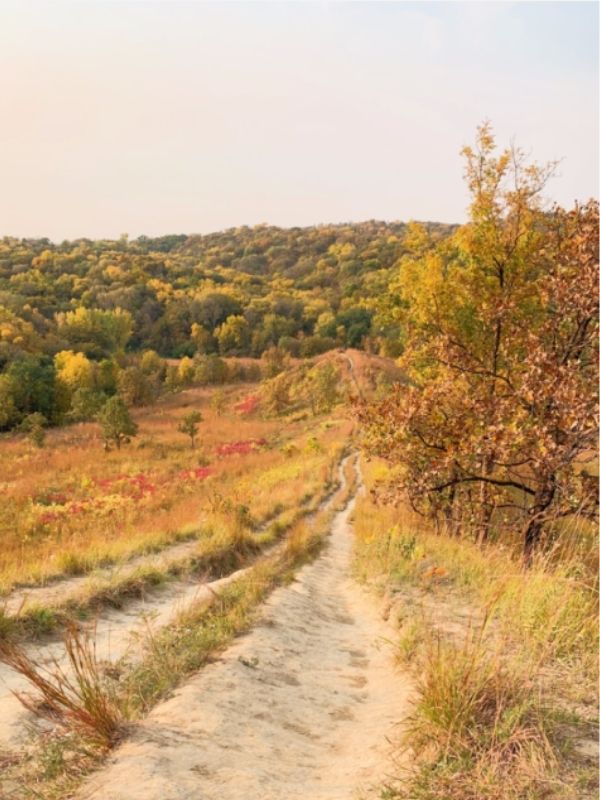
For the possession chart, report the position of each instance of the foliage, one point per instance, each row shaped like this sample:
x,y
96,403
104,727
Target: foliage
x,y
323,387
33,425
218,401
233,335
275,360
503,364
84,304
94,332
189,426
117,424
137,387
85,404
275,394
74,315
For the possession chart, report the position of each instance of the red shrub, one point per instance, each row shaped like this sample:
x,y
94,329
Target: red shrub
x,y
248,405
196,474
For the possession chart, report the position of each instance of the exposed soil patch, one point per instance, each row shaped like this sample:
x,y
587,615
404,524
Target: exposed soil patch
x,y
303,706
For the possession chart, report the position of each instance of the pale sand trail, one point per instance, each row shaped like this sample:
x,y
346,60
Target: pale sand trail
x,y
301,707
65,588
117,633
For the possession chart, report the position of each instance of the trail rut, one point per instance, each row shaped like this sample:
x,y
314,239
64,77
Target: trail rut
x,y
303,706
117,632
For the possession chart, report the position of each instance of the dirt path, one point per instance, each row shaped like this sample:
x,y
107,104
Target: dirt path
x,y
63,588
301,707
71,588
117,632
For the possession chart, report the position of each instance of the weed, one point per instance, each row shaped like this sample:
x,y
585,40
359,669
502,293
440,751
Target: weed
x,y
78,698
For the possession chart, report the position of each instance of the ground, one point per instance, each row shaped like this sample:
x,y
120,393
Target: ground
x,y
303,706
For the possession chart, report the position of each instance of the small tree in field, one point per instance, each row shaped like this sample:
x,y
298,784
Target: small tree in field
x,y
189,425
218,402
276,394
116,422
33,425
323,382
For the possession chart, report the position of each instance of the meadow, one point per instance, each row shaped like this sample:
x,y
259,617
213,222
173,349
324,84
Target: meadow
x,y
71,507
202,537
155,499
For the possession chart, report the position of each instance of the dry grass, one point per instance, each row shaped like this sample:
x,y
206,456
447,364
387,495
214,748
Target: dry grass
x,y
480,727
55,768
73,508
76,697
505,697
229,541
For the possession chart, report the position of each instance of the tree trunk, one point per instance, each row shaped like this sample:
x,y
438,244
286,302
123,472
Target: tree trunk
x,y
484,521
456,512
484,517
452,512
533,530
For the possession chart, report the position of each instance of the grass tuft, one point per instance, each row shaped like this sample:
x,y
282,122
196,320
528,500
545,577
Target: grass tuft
x,y
78,697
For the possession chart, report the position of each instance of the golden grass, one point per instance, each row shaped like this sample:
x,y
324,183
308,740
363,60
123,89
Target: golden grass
x,y
71,507
501,701
55,763
78,698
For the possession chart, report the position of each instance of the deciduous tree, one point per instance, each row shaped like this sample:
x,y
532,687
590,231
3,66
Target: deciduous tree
x,y
117,424
501,327
189,426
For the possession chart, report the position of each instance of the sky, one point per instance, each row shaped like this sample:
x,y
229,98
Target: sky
x,y
188,117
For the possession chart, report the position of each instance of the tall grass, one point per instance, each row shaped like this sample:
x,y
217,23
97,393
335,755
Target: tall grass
x,y
169,656
70,508
77,696
481,728
502,701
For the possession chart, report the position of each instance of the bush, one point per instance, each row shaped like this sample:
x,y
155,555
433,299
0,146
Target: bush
x,y
210,370
116,422
138,388
315,345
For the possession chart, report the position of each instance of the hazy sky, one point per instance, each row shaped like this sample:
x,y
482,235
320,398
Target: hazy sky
x,y
169,117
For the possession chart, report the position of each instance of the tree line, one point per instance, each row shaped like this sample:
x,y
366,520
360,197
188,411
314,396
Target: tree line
x,y
76,318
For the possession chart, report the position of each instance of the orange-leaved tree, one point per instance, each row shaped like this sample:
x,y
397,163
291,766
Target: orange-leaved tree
x,y
500,327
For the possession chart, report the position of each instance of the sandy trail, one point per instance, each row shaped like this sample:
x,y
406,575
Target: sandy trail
x,y
118,632
68,588
301,707
63,588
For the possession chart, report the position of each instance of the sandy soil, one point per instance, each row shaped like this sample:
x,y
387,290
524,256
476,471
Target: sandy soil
x,y
117,632
62,589
301,707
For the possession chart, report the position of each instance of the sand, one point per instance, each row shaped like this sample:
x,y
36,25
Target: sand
x,y
303,706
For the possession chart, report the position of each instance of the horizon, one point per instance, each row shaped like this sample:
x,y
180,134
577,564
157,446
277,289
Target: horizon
x,y
190,234
156,117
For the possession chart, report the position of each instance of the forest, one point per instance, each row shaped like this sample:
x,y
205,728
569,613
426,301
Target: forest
x,y
80,315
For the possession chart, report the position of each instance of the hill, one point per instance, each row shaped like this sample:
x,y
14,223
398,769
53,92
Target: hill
x,y
307,289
